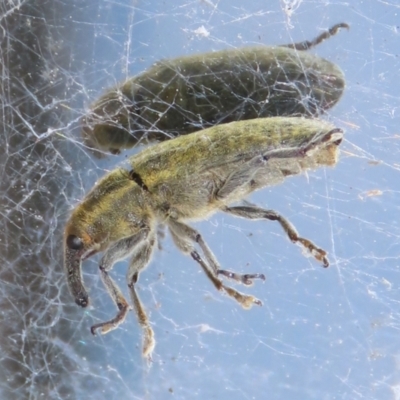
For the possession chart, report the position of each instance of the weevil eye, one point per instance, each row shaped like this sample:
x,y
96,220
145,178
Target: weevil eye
x,y
74,243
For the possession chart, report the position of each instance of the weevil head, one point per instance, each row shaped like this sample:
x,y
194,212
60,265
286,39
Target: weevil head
x,y
321,84
111,124
108,214
327,83
305,83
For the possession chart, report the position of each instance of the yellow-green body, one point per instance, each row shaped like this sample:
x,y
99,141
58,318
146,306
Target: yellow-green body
x,y
186,94
183,175
187,178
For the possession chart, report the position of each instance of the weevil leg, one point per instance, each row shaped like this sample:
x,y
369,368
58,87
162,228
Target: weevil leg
x,y
186,231
119,300
184,235
118,251
306,45
253,212
246,301
139,261
184,242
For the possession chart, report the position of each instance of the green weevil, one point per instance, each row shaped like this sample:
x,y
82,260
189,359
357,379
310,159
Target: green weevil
x,y
183,179
186,94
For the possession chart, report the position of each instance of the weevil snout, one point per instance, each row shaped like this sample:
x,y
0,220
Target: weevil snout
x,y
72,262
75,252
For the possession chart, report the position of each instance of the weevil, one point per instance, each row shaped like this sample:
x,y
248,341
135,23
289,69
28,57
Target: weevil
x,y
186,94
189,178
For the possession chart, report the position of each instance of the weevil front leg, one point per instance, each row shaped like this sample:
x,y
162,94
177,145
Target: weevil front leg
x,y
118,251
139,261
184,236
253,212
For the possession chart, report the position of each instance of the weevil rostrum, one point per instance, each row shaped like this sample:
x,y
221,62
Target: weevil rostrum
x,y
189,178
186,94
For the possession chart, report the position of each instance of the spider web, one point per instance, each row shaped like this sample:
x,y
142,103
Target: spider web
x,y
321,334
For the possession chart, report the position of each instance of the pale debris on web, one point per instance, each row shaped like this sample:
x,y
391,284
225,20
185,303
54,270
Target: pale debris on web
x,y
290,7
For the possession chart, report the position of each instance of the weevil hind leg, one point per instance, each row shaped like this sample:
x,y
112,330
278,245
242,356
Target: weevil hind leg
x,y
184,237
120,301
246,301
242,177
253,212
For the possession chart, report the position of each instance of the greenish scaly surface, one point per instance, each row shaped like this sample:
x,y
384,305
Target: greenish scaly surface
x,y
184,174
186,94
226,145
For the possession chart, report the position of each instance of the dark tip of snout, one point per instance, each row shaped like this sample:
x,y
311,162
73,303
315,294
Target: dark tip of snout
x,y
82,301
74,243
